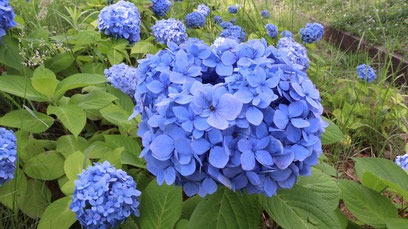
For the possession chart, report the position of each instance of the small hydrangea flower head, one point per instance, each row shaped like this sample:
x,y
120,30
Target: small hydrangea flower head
x,y
203,9
122,77
170,30
195,19
286,33
104,196
402,161
121,20
266,14
233,21
217,19
272,30
234,32
226,25
8,155
7,17
312,32
233,9
161,7
295,53
366,72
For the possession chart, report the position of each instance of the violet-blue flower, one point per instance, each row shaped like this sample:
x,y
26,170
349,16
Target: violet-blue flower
x,y
8,155
161,7
203,9
170,30
402,161
233,9
195,19
265,14
233,32
7,18
217,19
286,33
366,72
272,30
295,53
312,32
122,77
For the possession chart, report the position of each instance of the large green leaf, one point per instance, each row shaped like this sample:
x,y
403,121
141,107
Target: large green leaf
x,y
88,37
74,164
68,144
45,166
60,62
395,223
118,116
36,200
78,80
300,208
160,206
124,100
332,134
323,185
21,87
226,209
143,47
44,81
71,115
25,121
58,215
9,53
367,205
96,99
385,170
130,156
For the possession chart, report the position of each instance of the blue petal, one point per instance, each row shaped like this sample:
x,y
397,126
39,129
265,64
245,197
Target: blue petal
x,y
270,187
301,153
228,58
201,123
244,95
244,146
248,161
181,60
177,77
209,185
200,146
284,160
228,107
188,169
280,119
264,157
169,175
240,182
218,158
181,113
299,122
253,178
254,116
155,86
200,99
295,109
224,70
190,189
217,121
215,136
162,147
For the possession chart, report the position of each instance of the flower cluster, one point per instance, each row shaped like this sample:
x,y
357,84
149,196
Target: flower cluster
x,y
233,21
295,53
233,9
231,31
121,20
7,17
8,155
402,161
104,196
265,14
217,19
312,32
234,114
286,33
161,7
272,30
195,19
169,30
122,77
203,9
366,72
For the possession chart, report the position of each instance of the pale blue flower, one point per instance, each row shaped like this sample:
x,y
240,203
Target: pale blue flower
x,y
170,30
312,32
8,155
402,161
366,72
195,19
203,9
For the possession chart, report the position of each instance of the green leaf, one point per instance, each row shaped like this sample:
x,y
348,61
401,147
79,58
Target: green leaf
x,y
326,168
44,81
96,99
300,208
116,115
367,205
58,215
143,47
74,164
68,144
72,116
182,224
9,53
78,80
332,134
160,206
45,166
21,87
385,170
115,56
14,191
124,100
60,62
226,209
25,121
68,188
94,68
395,223
88,37
113,157
323,185
36,200
189,206
130,156
98,149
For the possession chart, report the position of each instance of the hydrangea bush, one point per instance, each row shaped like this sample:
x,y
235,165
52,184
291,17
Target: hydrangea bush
x,y
195,19
121,20
286,33
312,32
366,72
170,30
8,155
161,7
104,196
7,17
122,77
235,114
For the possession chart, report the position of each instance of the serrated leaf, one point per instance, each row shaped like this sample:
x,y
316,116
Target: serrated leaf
x,y
78,80
124,100
57,215
87,37
96,99
44,81
23,120
118,116
72,116
21,87
113,157
74,164
98,149
45,166
160,206
332,134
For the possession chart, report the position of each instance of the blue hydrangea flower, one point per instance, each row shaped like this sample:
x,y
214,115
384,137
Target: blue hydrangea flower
x,y
402,161
104,196
121,20
366,72
233,9
226,25
286,33
217,19
312,32
195,19
203,9
122,77
295,53
170,30
233,21
266,14
272,30
161,7
233,32
8,155
7,18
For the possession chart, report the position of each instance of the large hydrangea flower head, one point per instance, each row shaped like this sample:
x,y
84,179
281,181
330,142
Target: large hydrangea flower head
x,y
8,155
236,114
121,20
161,7
203,9
122,77
104,196
195,19
296,53
272,30
233,9
169,30
312,32
233,32
265,14
402,161
366,72
7,17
